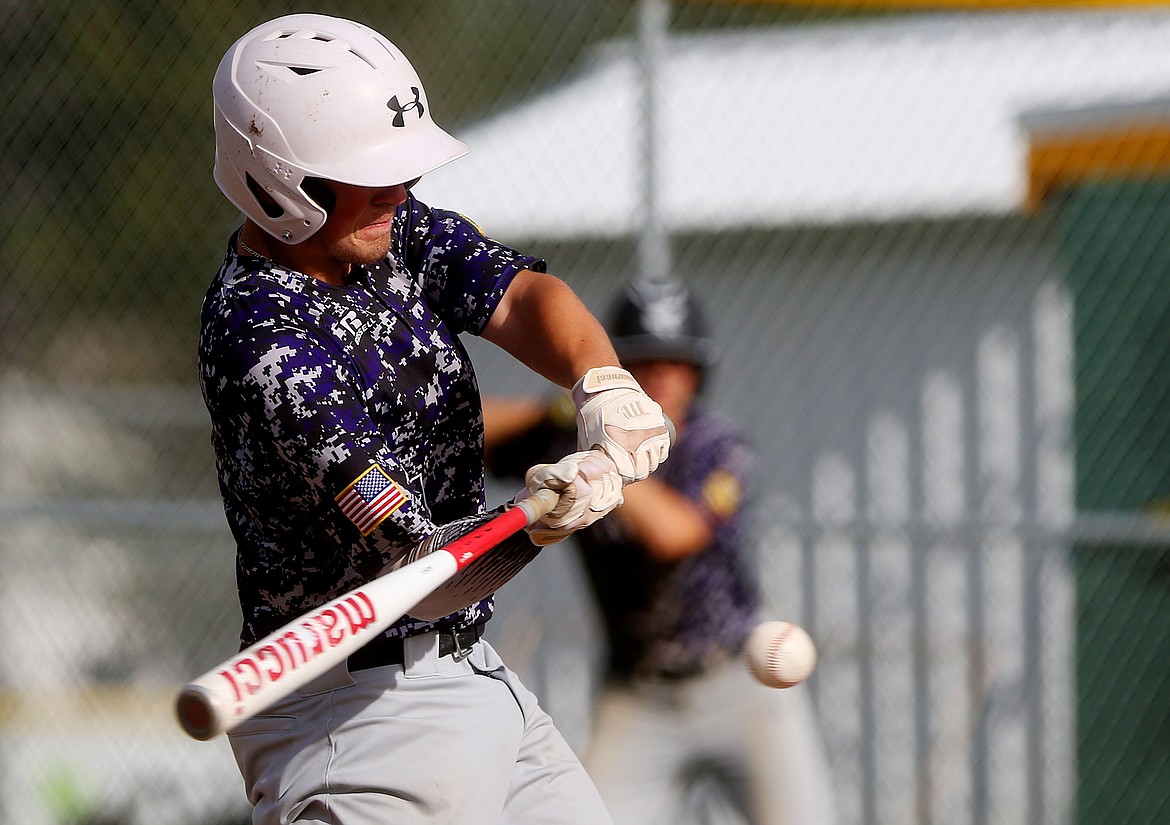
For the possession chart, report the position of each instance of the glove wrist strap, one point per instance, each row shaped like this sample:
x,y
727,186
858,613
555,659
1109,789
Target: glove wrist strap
x,y
600,379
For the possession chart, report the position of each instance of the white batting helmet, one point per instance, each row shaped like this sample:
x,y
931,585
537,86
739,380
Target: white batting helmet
x,y
311,96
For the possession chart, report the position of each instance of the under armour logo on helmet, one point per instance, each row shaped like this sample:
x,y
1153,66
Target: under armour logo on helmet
x,y
400,110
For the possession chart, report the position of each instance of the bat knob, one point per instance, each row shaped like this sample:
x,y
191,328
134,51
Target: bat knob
x,y
196,713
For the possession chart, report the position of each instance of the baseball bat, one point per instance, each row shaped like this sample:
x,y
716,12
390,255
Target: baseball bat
x,y
306,647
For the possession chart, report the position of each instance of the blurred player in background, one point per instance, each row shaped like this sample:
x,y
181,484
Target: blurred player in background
x,y
348,438
673,578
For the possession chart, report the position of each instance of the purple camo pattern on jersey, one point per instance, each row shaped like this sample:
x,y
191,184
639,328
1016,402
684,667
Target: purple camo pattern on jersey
x,y
309,385
678,617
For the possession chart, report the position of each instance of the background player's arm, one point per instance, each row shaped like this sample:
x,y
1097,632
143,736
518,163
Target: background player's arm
x,y
507,418
665,522
544,325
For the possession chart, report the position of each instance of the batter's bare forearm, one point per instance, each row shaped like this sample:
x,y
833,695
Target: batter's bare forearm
x,y
543,324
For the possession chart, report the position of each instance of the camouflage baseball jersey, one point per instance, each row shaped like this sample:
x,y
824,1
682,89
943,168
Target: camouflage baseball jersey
x,y
346,420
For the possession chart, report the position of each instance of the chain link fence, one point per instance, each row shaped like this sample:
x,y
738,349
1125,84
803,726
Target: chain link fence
x,y
934,247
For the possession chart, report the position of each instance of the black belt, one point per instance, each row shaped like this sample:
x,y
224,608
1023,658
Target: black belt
x,y
386,650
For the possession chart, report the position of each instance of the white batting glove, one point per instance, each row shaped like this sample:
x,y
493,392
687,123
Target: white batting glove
x,y
589,487
617,417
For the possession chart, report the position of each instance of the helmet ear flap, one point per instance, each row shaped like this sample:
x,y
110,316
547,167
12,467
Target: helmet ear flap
x,y
265,201
320,193
262,186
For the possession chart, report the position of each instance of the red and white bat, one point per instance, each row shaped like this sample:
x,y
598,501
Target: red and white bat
x,y
306,647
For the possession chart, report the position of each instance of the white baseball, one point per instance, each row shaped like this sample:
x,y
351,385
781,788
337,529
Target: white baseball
x,y
780,654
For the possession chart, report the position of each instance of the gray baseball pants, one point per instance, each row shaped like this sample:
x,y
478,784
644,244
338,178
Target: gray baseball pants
x,y
435,741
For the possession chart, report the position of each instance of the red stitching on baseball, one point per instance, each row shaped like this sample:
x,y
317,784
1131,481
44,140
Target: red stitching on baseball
x,y
775,652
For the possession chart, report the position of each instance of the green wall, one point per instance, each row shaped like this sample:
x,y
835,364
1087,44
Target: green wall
x,y
1118,257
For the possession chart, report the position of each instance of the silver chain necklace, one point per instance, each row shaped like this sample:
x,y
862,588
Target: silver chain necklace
x,y
249,250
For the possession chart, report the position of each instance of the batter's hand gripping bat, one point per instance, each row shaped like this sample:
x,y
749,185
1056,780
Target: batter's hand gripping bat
x,y
306,647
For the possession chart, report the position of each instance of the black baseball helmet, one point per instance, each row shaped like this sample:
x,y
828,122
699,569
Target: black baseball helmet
x,y
660,320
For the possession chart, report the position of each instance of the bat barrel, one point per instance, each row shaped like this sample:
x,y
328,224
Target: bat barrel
x,y
304,649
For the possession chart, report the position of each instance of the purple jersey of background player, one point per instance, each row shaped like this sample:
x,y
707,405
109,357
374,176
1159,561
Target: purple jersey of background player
x,y
667,617
338,380
680,617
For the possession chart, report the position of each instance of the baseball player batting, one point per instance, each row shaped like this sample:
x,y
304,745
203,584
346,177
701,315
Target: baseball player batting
x,y
347,428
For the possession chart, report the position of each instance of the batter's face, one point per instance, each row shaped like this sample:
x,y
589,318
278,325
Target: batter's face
x,y
357,231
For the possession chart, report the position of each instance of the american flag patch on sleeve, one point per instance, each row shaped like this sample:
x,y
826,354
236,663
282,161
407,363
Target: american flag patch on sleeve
x,y
370,498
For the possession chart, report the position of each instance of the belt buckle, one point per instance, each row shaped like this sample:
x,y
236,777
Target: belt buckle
x,y
460,652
